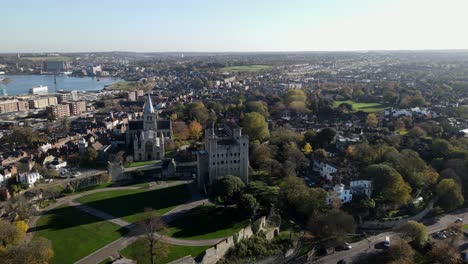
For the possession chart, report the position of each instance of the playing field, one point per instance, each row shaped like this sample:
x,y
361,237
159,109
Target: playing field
x,y
131,204
245,68
365,107
75,234
223,222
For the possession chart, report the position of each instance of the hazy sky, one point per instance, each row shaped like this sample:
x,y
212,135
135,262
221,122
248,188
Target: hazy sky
x,y
231,25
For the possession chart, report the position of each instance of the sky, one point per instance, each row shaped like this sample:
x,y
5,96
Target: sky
x,y
231,25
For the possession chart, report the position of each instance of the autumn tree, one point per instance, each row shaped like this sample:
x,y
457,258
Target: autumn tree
x,y
307,149
181,130
445,253
195,130
371,120
255,126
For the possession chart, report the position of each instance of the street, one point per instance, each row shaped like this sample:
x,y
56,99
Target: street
x,y
368,245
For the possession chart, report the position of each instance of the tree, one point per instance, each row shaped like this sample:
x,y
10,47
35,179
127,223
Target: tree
x,y
152,227
401,252
265,195
10,235
414,231
255,126
21,226
181,130
226,189
38,251
260,156
445,253
300,199
326,136
441,148
388,184
195,130
259,107
247,204
335,224
450,195
307,149
371,120
91,154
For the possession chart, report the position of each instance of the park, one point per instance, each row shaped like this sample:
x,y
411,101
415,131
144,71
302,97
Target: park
x,y
76,233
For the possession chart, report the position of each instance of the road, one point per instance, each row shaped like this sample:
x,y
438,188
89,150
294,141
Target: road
x,y
368,245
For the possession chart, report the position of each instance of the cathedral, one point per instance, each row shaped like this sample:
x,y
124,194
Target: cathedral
x,y
147,134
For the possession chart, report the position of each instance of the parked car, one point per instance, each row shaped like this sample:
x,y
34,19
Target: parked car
x,y
459,220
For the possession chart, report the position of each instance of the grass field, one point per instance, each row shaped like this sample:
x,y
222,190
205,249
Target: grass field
x,y
130,204
75,234
365,107
56,58
223,222
246,68
138,251
123,86
140,163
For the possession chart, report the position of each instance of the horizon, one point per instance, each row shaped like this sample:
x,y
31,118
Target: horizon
x,y
233,26
240,52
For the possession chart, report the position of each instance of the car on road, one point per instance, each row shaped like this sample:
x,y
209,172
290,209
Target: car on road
x,y
341,261
459,220
386,242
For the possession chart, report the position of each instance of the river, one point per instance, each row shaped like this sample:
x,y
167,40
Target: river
x,y
20,84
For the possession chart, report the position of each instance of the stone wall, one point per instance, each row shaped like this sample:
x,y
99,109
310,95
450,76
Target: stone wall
x,y
214,254
396,223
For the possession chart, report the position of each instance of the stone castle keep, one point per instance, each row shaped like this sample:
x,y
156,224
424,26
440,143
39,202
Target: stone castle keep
x,y
226,153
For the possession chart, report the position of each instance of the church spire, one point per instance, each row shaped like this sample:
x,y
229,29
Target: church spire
x,y
149,109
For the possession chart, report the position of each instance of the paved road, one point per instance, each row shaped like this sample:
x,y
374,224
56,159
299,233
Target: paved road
x,y
368,245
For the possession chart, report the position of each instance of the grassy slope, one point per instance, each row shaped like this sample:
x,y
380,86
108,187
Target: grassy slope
x,y
138,251
365,107
130,204
75,234
124,86
223,222
140,163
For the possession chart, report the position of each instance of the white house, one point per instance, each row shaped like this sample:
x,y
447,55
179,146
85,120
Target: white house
x,y
57,165
325,169
4,178
28,177
339,191
361,186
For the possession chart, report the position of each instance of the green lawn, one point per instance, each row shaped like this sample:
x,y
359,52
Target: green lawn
x,y
75,234
124,86
138,251
207,222
246,68
89,188
130,204
365,107
140,163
